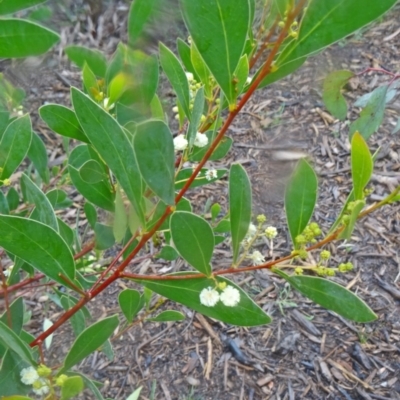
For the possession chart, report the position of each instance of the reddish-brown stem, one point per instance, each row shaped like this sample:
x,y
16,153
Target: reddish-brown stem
x,y
87,249
119,270
7,303
264,45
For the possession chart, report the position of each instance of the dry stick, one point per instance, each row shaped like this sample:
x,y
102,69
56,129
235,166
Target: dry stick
x,y
147,236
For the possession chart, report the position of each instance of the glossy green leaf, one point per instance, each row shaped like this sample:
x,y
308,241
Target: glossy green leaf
x,y
157,111
101,193
38,154
219,30
14,145
130,302
10,376
357,207
201,70
326,22
72,386
201,179
93,58
120,222
10,340
154,151
89,341
361,165
111,142
185,56
12,199
4,209
11,6
167,253
22,38
66,233
177,77
90,81
240,203
135,395
241,73
38,245
187,292
104,236
332,95
63,121
300,198
16,311
371,116
91,214
220,152
195,120
194,239
58,199
168,315
92,172
332,296
139,14
43,211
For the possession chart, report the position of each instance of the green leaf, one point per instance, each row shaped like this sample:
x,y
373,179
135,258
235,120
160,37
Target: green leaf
x,y
111,142
197,112
120,223
168,315
12,199
201,70
135,395
219,30
92,172
104,236
38,245
58,199
22,38
139,14
371,116
93,58
184,175
241,73
14,144
194,239
300,198
239,206
167,253
361,165
43,211
187,292
10,376
177,77
11,6
357,207
220,152
332,95
130,302
326,22
16,311
38,154
91,214
10,340
184,54
89,341
154,151
101,193
332,296
63,121
72,386
89,81
4,204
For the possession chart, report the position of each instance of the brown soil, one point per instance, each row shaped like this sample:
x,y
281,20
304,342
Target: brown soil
x,y
306,352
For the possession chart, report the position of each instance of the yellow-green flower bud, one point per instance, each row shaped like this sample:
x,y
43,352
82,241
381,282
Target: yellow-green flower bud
x,y
222,285
329,272
43,371
325,255
61,380
298,271
7,182
300,239
261,218
281,24
303,254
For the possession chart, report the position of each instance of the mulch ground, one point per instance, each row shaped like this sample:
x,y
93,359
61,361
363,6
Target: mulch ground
x,y
306,352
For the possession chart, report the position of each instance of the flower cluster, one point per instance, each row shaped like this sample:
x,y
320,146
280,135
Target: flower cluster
x,y
256,257
37,378
229,296
211,174
181,143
